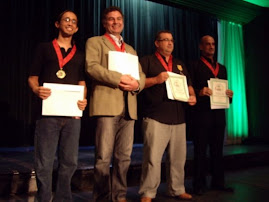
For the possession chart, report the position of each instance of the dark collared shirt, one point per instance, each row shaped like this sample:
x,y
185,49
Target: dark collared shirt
x,y
154,100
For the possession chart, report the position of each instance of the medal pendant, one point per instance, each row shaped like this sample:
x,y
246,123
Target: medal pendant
x,y
60,74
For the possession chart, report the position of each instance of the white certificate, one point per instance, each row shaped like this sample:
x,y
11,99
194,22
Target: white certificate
x,y
218,99
63,100
124,63
176,87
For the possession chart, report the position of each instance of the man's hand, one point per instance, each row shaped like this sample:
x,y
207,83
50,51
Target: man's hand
x,y
229,93
42,92
162,77
128,83
192,100
82,104
205,91
159,79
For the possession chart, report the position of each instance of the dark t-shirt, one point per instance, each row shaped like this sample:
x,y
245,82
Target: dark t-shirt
x,y
154,101
45,65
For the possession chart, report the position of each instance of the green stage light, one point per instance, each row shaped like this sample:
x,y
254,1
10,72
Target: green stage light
x,y
231,54
262,3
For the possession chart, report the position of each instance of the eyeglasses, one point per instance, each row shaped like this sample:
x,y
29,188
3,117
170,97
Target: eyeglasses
x,y
70,20
167,40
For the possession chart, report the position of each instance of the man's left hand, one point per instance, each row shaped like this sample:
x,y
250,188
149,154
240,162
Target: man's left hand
x,y
82,104
229,93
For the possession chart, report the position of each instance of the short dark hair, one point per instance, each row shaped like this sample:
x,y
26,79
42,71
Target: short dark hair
x,y
59,18
157,36
203,38
110,9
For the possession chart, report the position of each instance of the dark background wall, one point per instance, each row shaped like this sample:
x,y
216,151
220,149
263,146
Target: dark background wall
x,y
256,38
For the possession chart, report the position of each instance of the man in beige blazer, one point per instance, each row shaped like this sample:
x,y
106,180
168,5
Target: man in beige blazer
x,y
113,102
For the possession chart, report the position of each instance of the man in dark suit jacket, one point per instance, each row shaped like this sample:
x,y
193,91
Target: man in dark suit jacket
x,y
113,102
208,125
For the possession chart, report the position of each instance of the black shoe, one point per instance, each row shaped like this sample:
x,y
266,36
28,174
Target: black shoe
x,y
224,189
198,192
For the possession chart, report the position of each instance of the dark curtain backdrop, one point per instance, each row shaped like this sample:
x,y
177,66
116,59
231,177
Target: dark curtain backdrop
x,y
256,53
28,22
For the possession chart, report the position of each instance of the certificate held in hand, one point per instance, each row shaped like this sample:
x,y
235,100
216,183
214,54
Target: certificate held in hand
x,y
218,99
124,63
63,100
176,87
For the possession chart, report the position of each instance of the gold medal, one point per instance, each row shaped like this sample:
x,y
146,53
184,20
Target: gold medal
x,y
60,74
179,67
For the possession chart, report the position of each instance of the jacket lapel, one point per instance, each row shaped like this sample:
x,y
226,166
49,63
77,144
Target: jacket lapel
x,y
108,43
127,49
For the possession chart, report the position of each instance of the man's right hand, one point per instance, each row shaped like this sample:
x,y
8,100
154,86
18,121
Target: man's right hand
x,y
162,77
42,92
205,91
159,79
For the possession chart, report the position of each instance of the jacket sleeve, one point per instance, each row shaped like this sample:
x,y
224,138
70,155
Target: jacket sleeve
x,y
97,63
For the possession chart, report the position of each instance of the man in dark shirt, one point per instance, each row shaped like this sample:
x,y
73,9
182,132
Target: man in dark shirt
x,y
163,121
57,62
207,125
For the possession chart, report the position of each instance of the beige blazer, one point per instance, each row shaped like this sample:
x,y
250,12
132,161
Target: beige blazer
x,y
106,99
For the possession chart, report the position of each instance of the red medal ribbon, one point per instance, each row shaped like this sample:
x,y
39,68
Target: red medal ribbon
x,y
122,49
63,61
170,62
214,71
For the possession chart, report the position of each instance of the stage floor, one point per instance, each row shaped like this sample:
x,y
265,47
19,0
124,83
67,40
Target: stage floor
x,y
246,166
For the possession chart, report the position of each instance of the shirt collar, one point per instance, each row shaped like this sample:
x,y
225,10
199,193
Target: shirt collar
x,y
210,61
163,57
117,41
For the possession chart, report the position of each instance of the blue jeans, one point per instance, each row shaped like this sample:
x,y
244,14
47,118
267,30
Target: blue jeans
x,y
54,134
114,139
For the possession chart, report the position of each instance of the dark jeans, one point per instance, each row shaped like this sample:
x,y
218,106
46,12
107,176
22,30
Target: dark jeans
x,y
208,133
114,139
54,134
